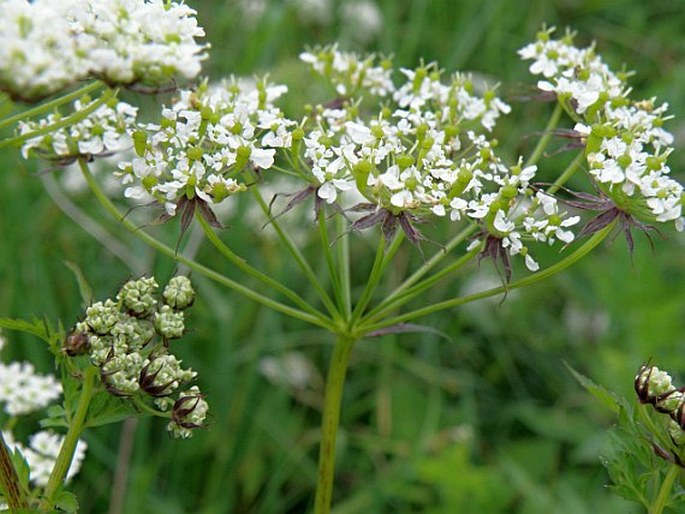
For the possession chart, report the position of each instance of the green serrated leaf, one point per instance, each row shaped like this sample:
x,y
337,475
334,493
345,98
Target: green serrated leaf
x,y
605,396
71,386
56,417
84,287
36,327
21,466
106,408
67,502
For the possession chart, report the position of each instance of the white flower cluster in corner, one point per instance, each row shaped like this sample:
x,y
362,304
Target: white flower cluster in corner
x,y
41,454
204,142
128,338
23,391
626,146
49,45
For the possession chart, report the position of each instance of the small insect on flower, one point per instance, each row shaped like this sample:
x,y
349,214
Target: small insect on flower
x,y
76,343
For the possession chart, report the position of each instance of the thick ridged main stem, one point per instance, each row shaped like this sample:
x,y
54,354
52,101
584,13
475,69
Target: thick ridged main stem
x,y
335,381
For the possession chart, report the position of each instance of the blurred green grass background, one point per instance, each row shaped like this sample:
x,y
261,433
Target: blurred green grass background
x,y
486,421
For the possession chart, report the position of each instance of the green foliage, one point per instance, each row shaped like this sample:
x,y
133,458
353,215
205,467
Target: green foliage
x,y
22,469
66,502
463,486
105,409
37,327
640,453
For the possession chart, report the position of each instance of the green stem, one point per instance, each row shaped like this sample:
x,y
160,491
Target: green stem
x,y
64,122
393,248
48,106
199,268
371,283
433,261
568,261
567,174
546,136
403,297
66,452
393,300
344,264
144,407
664,490
14,494
337,370
330,263
240,263
299,258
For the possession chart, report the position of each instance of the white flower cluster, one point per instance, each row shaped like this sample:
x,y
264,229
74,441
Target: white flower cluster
x,y
626,146
107,130
429,154
119,336
23,390
41,454
204,143
49,45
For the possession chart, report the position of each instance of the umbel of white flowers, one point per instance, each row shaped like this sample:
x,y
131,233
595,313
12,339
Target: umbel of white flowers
x,y
426,150
128,339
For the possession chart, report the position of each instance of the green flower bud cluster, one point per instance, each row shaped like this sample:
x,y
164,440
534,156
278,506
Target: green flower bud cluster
x,y
188,412
655,387
127,338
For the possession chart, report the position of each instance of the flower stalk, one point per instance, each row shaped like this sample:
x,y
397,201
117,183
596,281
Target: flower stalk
x,y
568,261
52,104
330,422
665,489
76,426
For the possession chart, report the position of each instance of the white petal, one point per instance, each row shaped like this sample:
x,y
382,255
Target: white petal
x,y
531,264
359,133
262,158
501,223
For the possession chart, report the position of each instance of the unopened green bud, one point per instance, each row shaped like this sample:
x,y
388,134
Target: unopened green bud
x,y
101,317
404,161
169,323
139,142
179,293
137,296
